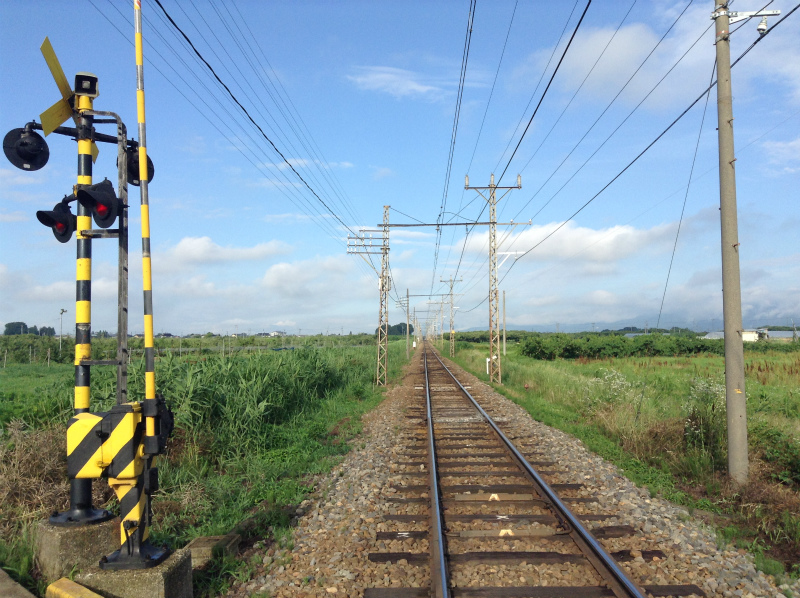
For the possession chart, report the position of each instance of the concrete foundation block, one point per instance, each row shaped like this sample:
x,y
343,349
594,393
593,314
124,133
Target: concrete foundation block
x,y
170,579
61,550
208,547
10,588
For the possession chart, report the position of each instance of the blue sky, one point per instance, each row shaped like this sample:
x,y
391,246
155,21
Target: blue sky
x,y
360,98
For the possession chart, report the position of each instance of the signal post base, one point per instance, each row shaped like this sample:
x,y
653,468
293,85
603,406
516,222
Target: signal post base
x,y
170,579
61,549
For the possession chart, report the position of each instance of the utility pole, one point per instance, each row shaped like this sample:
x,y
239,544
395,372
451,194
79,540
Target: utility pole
x,y
735,397
441,327
363,246
493,294
403,304
495,369
451,282
407,331
61,333
383,328
504,323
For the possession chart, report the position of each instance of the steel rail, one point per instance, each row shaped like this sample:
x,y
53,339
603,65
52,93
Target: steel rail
x,y
440,576
620,581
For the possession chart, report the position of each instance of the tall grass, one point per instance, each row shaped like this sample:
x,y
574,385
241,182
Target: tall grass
x,y
663,421
250,430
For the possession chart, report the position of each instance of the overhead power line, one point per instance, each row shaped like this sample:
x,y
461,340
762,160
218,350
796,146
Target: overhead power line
x,y
650,145
462,78
544,93
238,103
685,197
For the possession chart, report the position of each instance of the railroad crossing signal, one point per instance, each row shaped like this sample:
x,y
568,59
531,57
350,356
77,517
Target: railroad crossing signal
x,y
133,166
129,436
60,219
58,113
26,149
102,202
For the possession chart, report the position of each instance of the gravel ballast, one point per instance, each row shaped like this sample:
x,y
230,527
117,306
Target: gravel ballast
x,y
336,527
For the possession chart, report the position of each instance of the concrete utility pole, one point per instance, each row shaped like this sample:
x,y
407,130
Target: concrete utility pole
x,y
495,368
407,332
504,323
735,397
61,333
403,304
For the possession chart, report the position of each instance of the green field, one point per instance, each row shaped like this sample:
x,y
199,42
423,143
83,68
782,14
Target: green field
x,y
251,428
662,421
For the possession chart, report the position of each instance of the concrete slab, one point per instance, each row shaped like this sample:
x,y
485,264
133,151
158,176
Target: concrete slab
x,y
208,547
61,550
66,588
10,588
170,579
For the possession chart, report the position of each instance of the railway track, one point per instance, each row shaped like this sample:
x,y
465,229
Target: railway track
x,y
483,514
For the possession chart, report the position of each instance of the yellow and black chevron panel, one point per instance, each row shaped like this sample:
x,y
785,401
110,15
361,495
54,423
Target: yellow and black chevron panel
x,y
132,504
106,444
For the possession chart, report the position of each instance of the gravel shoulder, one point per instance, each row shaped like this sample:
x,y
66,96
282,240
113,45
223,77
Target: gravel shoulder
x,y
336,527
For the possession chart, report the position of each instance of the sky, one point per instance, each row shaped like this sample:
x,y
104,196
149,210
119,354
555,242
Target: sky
x,y
359,105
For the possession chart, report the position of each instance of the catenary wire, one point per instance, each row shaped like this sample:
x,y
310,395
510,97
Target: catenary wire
x,y
462,77
685,196
651,144
544,93
213,72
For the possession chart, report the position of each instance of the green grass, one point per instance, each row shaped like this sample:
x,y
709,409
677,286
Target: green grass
x,y
662,421
251,431
21,387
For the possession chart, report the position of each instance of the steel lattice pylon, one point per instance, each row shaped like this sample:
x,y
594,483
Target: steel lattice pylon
x,y
383,315
364,245
495,370
451,282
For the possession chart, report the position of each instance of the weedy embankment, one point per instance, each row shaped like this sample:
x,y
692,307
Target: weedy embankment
x,y
251,430
662,421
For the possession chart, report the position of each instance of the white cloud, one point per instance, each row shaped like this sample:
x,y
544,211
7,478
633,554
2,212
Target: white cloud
x,y
595,245
287,218
14,217
15,176
784,154
400,83
202,250
381,172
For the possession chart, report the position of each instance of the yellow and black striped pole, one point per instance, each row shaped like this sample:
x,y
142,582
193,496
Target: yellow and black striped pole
x,y
81,510
138,479
151,441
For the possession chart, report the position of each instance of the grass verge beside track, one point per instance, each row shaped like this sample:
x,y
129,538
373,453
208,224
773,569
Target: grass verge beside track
x,y
662,421
251,432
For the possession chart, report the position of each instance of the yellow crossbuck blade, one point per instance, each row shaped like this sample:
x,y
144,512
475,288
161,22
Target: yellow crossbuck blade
x,y
55,115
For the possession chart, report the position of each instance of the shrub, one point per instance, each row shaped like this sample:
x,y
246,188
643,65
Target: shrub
x,y
704,430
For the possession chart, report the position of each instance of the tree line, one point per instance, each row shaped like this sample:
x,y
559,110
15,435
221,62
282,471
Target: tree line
x,y
565,346
13,328
397,329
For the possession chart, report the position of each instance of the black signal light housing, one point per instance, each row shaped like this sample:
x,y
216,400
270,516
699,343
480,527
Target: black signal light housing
x,y
60,219
102,201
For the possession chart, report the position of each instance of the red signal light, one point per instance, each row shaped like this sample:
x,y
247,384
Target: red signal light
x,y
60,219
101,200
